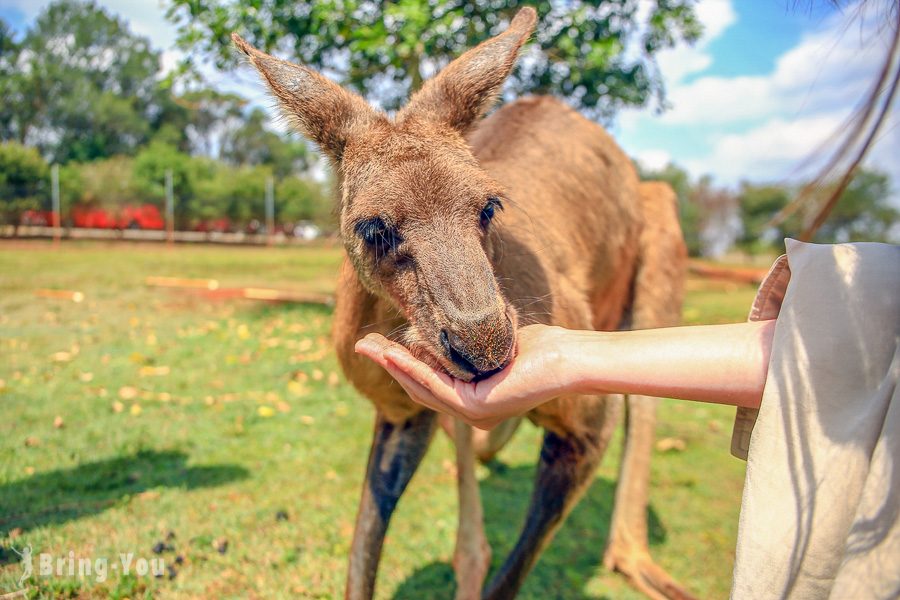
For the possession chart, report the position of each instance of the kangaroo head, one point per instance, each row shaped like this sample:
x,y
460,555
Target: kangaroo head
x,y
416,207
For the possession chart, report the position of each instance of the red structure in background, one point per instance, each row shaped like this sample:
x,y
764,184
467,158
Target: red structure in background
x,y
145,216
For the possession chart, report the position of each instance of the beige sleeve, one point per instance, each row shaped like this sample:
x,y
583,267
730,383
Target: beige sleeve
x,y
820,515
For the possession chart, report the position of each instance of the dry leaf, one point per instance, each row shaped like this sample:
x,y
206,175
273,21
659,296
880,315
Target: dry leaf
x,y
58,422
61,357
118,406
297,388
265,411
127,392
148,371
317,375
85,377
333,379
135,409
669,443
307,420
284,407
31,442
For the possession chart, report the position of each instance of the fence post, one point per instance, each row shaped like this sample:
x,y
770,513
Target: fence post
x,y
54,192
270,210
170,209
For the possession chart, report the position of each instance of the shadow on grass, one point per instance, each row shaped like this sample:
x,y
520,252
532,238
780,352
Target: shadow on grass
x,y
65,494
574,555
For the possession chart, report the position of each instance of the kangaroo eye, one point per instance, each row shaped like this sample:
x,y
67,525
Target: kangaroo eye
x,y
378,235
487,213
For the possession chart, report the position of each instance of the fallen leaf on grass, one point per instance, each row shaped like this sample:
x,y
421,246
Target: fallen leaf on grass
x,y
341,410
297,388
307,420
317,375
61,356
58,422
148,371
31,442
265,411
284,407
127,392
669,443
118,407
333,379
85,377
135,409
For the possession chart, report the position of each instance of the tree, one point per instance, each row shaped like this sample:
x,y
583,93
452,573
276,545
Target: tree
x,y
253,144
758,204
150,166
23,181
863,212
599,57
80,85
108,183
299,199
719,217
211,115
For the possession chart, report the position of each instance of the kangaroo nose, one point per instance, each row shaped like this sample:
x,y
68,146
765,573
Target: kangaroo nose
x,y
466,356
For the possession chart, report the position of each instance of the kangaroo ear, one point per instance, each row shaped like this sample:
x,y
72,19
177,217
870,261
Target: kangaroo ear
x,y
321,110
467,87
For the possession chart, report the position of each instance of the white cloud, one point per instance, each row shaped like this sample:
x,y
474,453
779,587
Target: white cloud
x,y
681,61
826,70
764,127
653,160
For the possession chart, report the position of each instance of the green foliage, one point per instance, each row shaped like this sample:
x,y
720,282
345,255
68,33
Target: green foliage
x,y
209,113
108,183
253,144
600,58
304,200
758,204
863,212
24,181
80,85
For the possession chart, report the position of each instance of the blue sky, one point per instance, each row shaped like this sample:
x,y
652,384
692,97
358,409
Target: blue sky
x,y
766,85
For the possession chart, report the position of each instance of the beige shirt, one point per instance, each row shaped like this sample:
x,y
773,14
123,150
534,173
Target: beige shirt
x,y
819,515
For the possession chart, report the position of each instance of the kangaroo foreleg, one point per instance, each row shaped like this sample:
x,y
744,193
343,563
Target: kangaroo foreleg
x,y
397,450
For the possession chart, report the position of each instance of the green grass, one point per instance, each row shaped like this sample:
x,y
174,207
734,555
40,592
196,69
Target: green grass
x,y
205,418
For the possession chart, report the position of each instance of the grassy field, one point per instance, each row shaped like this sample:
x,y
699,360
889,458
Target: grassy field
x,y
222,431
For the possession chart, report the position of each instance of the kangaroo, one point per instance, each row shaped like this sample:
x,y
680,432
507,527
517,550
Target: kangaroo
x,y
457,230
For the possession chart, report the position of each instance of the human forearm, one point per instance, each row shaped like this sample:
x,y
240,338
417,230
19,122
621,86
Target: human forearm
x,y
725,364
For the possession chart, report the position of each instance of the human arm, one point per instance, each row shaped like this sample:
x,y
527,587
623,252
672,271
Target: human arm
x,y
725,364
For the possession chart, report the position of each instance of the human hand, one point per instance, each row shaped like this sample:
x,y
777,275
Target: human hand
x,y
538,373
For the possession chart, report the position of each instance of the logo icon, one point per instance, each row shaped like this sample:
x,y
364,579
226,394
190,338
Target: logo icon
x,y
27,566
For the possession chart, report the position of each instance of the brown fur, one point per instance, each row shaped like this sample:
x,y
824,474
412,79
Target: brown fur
x,y
576,246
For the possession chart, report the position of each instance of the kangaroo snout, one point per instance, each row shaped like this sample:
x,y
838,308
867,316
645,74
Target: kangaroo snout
x,y
482,348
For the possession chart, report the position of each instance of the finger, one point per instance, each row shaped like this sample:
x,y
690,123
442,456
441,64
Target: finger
x,y
375,343
418,392
437,381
